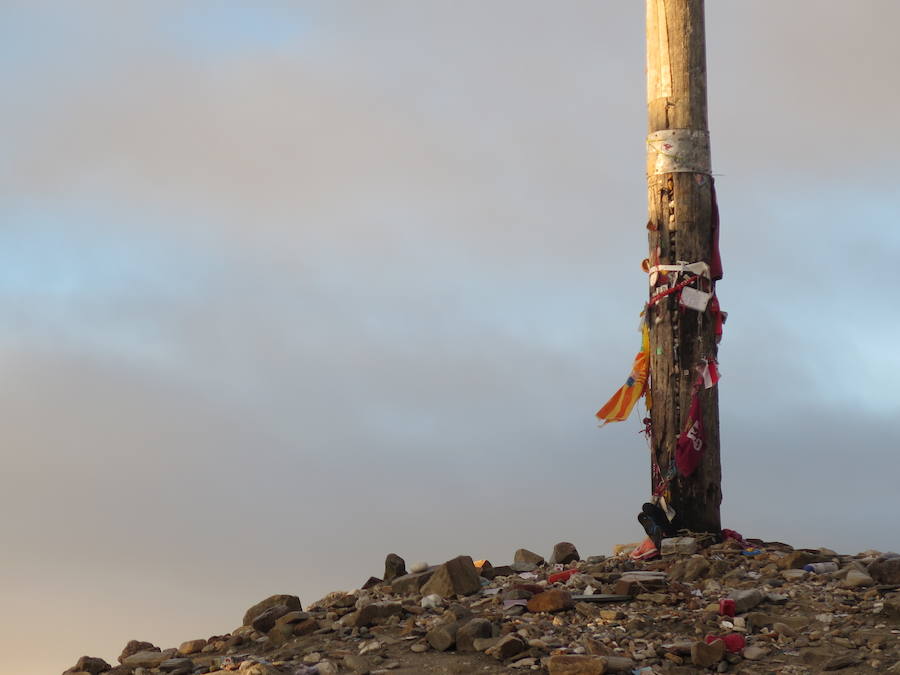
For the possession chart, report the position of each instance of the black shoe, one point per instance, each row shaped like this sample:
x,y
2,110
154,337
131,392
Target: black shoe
x,y
651,528
659,517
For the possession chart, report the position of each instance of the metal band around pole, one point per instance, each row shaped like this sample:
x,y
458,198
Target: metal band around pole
x,y
678,151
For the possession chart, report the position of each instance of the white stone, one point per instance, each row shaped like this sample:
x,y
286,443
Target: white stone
x,y
523,663
371,646
312,658
857,579
754,653
747,599
678,546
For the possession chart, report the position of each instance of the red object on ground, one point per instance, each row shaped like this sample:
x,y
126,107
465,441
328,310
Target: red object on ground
x,y
737,536
727,607
561,576
734,642
646,551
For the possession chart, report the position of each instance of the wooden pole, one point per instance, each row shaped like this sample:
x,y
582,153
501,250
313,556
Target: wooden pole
x,y
681,209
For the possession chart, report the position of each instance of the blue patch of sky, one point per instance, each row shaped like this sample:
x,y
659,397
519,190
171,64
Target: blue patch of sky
x,y
227,27
49,253
808,287
39,42
26,32
35,46
75,285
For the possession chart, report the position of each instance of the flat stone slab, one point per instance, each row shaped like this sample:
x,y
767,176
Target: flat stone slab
x,y
602,597
411,583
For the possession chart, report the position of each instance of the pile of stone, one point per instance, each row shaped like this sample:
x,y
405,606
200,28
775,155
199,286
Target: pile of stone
x,y
704,606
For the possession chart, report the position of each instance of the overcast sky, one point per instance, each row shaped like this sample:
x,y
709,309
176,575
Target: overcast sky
x,y
289,286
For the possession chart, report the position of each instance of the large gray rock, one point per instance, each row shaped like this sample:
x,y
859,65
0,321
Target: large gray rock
x,y
745,600
292,602
470,631
886,571
89,664
553,600
678,546
523,555
280,634
443,635
411,583
146,659
373,613
394,566
176,664
265,621
191,646
564,552
306,627
856,579
135,646
507,647
458,576
293,617
692,569
706,656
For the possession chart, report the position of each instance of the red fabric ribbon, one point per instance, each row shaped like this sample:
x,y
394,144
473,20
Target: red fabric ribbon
x,y
677,287
691,442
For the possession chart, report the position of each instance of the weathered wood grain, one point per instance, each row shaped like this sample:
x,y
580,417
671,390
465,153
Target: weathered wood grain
x,y
679,207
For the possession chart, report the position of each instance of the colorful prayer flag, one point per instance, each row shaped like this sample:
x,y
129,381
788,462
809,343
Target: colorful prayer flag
x,y
619,407
710,373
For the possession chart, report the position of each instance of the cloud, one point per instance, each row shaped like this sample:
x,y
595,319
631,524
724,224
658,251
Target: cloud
x,y
280,307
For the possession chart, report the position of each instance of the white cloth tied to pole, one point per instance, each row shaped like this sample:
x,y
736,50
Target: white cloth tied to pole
x,y
701,269
694,298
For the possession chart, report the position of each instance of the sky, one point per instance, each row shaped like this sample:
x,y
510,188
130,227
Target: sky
x,y
290,286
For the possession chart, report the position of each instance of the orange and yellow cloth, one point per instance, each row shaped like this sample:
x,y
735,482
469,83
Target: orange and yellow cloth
x,y
618,408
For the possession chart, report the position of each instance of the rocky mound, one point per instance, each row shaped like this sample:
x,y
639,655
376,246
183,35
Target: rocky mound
x,y
744,607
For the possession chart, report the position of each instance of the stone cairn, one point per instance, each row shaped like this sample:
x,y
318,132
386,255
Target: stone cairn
x,y
703,606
